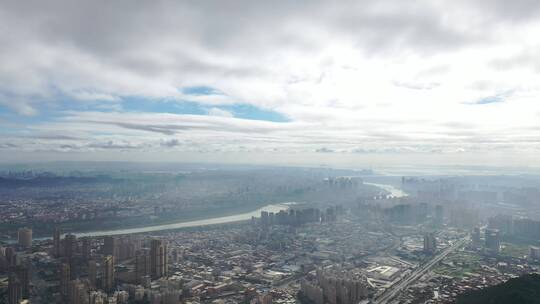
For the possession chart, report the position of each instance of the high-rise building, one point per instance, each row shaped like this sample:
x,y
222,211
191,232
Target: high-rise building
x,y
56,242
14,289
142,265
526,228
11,257
262,299
86,247
334,286
176,255
430,243
76,293
25,237
158,258
264,218
74,268
534,252
96,297
463,217
127,247
122,297
493,242
64,280
439,215
502,222
92,273
110,246
170,296
23,274
70,245
476,242
108,273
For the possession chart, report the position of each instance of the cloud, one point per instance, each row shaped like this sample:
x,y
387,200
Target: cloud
x,y
511,12
417,86
210,53
525,58
119,145
167,130
7,146
220,112
170,143
387,76
19,106
68,147
92,96
324,150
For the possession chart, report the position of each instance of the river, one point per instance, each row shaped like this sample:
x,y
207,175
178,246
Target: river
x,y
395,192
220,220
211,221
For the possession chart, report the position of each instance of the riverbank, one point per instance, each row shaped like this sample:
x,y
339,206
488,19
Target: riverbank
x,y
394,191
223,219
197,223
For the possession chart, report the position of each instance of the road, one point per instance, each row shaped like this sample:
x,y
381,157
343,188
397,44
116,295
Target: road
x,y
390,293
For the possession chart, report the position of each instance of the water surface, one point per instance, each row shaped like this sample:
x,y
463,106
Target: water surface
x,y
211,221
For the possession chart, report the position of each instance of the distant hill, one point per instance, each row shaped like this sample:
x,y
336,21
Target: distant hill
x,y
522,290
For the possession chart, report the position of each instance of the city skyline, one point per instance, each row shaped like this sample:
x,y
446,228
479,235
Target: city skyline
x,y
269,152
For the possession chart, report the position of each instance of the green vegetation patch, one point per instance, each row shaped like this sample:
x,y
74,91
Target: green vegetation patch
x,y
515,250
522,290
459,265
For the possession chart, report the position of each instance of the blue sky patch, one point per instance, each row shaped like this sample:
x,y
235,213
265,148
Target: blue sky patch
x,y
57,108
501,97
490,99
201,90
135,104
247,111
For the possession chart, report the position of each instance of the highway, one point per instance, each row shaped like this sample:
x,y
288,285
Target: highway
x,y
390,293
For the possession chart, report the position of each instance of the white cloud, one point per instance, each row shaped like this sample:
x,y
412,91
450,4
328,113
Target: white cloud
x,y
19,106
359,76
219,112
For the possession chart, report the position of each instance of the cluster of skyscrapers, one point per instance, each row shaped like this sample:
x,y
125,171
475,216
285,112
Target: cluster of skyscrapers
x,y
335,286
85,267
296,217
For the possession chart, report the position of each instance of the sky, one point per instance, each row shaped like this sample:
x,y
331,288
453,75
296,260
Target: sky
x,y
360,83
